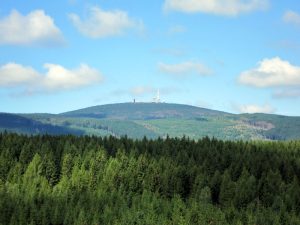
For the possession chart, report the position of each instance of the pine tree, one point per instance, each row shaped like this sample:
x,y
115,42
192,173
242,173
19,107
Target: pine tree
x,y
227,190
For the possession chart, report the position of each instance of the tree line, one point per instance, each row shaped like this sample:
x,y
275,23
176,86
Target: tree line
x,y
62,180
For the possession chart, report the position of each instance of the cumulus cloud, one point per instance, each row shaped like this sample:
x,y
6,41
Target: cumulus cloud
x,y
273,72
255,108
36,28
101,24
57,78
185,68
13,74
217,7
291,17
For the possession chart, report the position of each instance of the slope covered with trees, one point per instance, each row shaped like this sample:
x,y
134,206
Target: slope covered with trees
x,y
92,180
27,125
153,120
143,111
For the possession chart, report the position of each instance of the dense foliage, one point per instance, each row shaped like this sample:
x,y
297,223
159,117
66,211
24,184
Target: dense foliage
x,y
90,180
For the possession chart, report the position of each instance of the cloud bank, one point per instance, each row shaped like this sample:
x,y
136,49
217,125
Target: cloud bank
x,y
36,28
273,72
217,7
56,78
185,68
101,24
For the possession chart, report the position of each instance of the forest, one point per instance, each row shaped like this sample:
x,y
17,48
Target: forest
x,y
89,180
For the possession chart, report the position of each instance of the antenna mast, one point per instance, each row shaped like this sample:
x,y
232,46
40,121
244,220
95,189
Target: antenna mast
x,y
157,98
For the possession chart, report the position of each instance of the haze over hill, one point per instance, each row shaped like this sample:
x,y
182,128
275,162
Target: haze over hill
x,y
154,120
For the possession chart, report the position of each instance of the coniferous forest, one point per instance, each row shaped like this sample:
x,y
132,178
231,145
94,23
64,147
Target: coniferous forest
x,y
62,180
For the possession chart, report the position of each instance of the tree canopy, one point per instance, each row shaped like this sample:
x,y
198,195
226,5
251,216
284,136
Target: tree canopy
x,y
57,180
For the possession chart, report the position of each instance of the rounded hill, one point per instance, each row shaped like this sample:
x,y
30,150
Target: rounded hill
x,y
143,111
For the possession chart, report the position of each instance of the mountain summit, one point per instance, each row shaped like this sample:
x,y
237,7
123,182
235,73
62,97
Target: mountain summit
x,y
154,120
143,111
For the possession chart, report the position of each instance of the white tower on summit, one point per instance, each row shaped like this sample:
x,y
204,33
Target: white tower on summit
x,y
157,98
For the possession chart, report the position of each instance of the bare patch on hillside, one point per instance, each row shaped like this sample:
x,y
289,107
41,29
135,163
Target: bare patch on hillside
x,y
260,125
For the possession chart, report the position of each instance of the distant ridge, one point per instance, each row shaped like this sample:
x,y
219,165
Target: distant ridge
x,y
144,111
153,120
21,124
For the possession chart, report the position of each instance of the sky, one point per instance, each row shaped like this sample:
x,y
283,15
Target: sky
x,y
238,56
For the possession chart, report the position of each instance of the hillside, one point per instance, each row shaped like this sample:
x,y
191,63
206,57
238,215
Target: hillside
x,y
143,111
275,127
20,124
152,120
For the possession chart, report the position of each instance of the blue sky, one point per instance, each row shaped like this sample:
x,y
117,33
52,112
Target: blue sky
x,y
230,55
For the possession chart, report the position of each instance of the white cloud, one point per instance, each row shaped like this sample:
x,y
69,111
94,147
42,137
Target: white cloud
x,y
255,108
217,7
57,78
36,28
273,72
101,24
185,68
13,74
291,17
